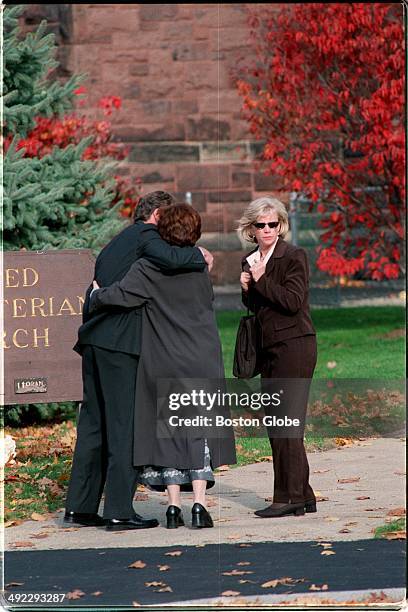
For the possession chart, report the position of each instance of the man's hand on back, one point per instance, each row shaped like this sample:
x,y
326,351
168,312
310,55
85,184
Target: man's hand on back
x,y
209,259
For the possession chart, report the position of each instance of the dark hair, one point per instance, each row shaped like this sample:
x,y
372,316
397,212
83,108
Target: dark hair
x,y
180,224
148,203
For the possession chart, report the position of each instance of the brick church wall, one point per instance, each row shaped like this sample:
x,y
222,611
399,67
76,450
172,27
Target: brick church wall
x,y
171,65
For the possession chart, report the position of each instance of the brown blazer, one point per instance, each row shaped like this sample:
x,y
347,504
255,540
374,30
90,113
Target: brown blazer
x,y
280,298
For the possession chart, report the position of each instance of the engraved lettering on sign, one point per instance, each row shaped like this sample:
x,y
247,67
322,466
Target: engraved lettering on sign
x,y
30,385
27,278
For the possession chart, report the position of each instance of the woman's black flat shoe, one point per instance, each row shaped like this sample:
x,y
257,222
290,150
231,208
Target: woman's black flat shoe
x,y
200,517
174,517
274,511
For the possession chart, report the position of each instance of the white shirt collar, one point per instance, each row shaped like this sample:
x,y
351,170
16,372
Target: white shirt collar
x,y
256,256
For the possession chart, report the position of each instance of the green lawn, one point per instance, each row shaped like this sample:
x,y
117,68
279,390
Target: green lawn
x,y
364,342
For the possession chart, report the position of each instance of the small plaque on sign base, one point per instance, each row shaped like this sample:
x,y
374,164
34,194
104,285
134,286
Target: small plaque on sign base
x,y
30,385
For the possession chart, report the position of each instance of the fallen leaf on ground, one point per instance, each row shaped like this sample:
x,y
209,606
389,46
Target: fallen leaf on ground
x,y
395,535
320,471
233,536
223,468
265,458
320,498
138,565
163,568
315,587
236,572
39,536
246,582
166,589
38,517
345,531
344,442
11,523
363,497
327,552
77,594
331,519
13,584
97,593
331,364
136,604
245,545
373,509
22,544
345,480
351,523
211,503
174,553
244,563
230,593
400,472
141,497
155,583
70,529
274,583
396,512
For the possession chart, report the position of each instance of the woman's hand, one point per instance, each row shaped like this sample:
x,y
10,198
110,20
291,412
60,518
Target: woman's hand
x,y
95,285
257,270
245,279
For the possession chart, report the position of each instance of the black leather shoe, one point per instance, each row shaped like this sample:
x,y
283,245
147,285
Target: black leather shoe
x,y
277,510
137,522
174,517
200,517
310,506
84,518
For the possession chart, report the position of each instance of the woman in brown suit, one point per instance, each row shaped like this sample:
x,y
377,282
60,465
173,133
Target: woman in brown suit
x,y
274,281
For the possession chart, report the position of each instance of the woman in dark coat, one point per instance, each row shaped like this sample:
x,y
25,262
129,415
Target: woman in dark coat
x,y
179,340
275,286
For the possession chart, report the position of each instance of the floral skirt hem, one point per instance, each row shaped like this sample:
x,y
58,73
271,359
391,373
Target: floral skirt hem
x,y
157,477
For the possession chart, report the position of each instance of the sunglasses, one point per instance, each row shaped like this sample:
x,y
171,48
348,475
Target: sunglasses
x,y
271,224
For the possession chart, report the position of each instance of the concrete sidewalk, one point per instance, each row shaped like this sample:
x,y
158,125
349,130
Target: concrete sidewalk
x,y
349,511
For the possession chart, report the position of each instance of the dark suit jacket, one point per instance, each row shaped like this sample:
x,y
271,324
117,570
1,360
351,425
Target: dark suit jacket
x,y
119,329
280,298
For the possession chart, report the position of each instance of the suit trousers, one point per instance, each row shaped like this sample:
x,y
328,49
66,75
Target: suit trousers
x,y
103,456
294,358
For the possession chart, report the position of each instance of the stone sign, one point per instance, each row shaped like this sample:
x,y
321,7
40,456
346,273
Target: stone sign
x,y
43,297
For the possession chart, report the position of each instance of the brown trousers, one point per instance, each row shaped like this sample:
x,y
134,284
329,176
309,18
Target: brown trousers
x,y
293,358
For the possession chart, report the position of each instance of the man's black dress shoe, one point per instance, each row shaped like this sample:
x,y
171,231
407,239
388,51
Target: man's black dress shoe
x,y
310,506
174,517
84,518
200,517
277,510
136,522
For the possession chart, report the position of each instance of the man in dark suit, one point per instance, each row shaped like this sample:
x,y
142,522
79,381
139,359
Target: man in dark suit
x,y
109,343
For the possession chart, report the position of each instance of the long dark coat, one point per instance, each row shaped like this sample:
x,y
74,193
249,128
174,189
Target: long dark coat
x,y
179,340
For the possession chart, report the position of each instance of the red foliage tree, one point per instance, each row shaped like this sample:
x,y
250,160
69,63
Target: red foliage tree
x,y
71,129
326,93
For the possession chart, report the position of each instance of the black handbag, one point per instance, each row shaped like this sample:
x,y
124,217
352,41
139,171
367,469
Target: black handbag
x,y
246,348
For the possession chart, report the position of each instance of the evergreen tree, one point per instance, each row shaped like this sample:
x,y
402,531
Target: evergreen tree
x,y
59,200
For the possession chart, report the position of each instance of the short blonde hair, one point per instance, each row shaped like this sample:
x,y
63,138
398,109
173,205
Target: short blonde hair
x,y
257,208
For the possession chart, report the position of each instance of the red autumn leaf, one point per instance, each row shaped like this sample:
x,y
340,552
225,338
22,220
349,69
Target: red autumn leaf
x,y
76,594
